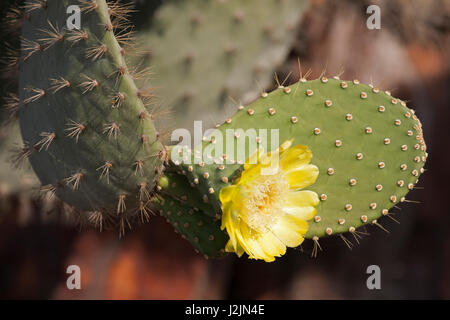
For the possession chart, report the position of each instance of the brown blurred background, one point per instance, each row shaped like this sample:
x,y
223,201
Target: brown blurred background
x,y
409,56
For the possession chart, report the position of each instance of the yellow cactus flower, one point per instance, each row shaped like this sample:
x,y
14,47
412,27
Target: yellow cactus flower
x,y
265,213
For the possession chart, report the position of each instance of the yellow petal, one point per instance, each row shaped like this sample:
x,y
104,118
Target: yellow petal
x,y
304,213
286,145
230,247
234,248
291,207
271,244
295,157
239,250
250,173
302,198
231,224
290,230
303,176
251,245
226,193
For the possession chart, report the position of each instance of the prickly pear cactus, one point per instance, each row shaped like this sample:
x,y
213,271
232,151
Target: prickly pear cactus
x,y
86,130
203,53
367,146
346,152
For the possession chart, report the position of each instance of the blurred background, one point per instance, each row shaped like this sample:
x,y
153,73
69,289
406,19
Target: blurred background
x,y
409,56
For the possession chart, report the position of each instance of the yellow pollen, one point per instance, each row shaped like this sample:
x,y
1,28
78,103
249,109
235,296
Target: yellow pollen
x,y
264,200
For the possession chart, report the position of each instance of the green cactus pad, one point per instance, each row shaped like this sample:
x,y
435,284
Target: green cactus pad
x,y
175,185
81,114
194,224
204,52
367,145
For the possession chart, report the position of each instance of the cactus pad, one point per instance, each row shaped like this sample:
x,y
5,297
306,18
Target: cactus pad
x,y
204,52
368,146
189,216
84,124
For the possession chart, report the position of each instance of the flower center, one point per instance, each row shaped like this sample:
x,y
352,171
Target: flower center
x,y
263,201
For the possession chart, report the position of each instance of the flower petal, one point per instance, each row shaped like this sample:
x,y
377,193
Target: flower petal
x,y
251,245
229,222
303,176
295,157
302,198
290,230
287,207
226,193
304,213
271,244
234,248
